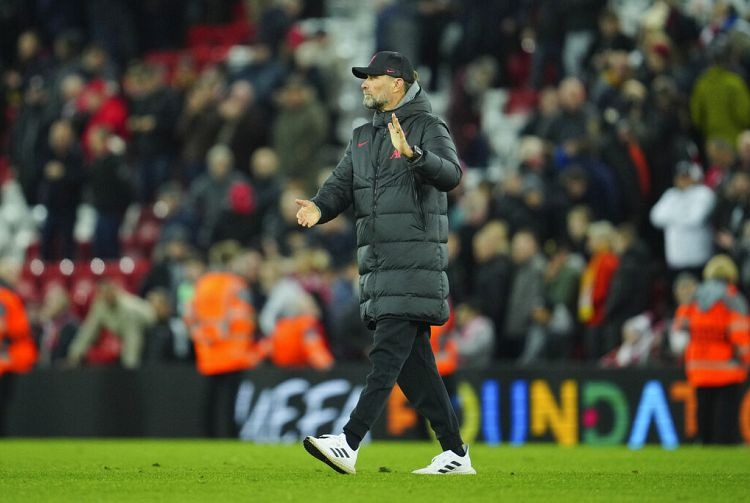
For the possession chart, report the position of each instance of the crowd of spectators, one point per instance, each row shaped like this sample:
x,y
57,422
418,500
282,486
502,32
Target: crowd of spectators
x,y
145,151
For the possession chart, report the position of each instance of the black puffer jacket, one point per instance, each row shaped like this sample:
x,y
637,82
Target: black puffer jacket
x,y
401,213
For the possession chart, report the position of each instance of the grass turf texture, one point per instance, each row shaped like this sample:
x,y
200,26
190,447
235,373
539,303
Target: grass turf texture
x,y
156,470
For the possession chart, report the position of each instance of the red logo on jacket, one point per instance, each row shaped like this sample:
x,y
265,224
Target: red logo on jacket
x,y
396,154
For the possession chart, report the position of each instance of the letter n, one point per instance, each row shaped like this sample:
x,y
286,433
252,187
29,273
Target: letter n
x,y
545,413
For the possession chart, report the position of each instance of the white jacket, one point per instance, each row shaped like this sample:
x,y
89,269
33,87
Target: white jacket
x,y
684,214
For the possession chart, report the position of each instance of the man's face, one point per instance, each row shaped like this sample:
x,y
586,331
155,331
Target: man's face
x,y
377,90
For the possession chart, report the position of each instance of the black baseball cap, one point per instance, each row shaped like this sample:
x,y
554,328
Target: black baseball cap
x,y
390,63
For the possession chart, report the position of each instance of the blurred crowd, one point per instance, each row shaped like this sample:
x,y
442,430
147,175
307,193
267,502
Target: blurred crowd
x,y
605,146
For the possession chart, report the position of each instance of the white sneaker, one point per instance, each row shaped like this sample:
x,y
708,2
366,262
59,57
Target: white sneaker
x,y
449,463
333,451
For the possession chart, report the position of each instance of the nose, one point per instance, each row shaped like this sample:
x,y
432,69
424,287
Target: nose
x,y
364,84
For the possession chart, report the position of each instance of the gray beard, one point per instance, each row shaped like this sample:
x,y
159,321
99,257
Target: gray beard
x,y
372,103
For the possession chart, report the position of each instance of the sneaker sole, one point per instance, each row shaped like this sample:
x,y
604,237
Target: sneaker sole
x,y
315,451
472,472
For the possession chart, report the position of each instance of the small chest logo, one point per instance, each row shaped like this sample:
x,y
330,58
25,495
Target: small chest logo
x,y
396,154
362,144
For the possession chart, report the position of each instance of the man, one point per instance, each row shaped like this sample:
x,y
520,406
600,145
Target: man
x,y
221,321
684,213
717,354
18,353
126,315
397,188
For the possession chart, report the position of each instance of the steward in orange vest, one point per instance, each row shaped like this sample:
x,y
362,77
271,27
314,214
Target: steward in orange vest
x,y
221,321
18,352
718,352
17,349
444,346
298,340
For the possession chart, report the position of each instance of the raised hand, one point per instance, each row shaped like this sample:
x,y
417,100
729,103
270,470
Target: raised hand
x,y
398,137
308,213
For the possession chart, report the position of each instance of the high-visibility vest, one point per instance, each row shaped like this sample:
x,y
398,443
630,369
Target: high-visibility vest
x,y
444,346
221,321
298,341
718,352
15,334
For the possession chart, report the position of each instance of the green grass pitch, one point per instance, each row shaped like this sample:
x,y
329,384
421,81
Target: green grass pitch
x,y
227,471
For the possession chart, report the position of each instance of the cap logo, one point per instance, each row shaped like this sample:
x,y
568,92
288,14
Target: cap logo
x,y
390,70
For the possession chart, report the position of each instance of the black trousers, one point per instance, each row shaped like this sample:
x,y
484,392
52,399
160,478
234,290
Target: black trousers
x,y
219,412
401,353
718,414
6,393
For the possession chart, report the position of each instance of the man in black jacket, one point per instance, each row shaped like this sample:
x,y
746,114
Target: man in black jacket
x,y
398,191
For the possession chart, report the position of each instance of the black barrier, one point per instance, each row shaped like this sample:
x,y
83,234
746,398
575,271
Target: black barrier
x,y
504,405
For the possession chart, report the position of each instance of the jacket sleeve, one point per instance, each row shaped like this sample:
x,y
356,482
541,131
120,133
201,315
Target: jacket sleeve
x,y
87,333
439,164
662,214
700,208
336,194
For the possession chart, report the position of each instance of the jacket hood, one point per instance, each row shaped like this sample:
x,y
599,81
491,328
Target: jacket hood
x,y
414,102
709,293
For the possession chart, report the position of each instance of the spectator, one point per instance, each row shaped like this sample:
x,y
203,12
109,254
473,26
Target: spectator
x,y
167,340
544,115
575,131
17,226
243,121
281,290
464,114
525,295
609,38
299,131
58,324
125,315
720,157
239,221
197,125
720,100
493,276
28,136
153,111
596,284
61,174
209,192
579,18
110,191
742,162
554,319
266,180
577,223
683,293
280,228
168,269
101,106
732,211
546,36
683,213
640,344
474,335
629,293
